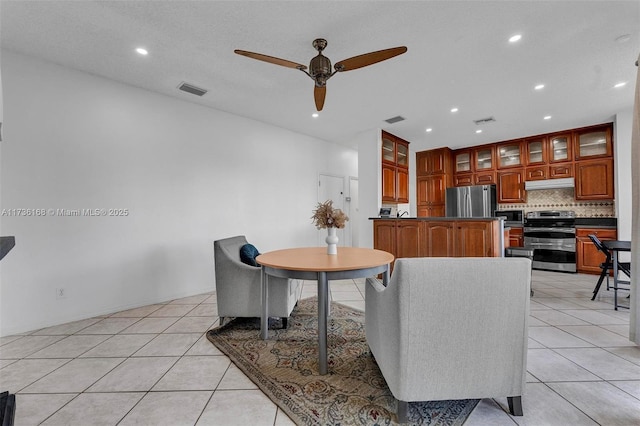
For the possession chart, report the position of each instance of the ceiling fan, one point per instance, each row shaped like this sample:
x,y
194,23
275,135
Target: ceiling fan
x,y
320,66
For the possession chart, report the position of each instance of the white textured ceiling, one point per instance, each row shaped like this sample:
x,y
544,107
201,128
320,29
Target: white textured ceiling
x,y
458,55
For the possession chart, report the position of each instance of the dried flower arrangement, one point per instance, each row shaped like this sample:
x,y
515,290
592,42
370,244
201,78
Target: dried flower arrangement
x,y
325,216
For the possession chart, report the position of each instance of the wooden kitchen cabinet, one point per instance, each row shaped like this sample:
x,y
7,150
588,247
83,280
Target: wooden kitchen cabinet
x,y
462,161
395,169
408,241
433,162
474,239
536,173
384,235
511,186
535,150
588,258
560,148
433,177
509,154
516,237
593,142
484,178
560,170
438,239
594,179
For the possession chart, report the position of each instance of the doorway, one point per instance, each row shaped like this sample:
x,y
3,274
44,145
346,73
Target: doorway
x,y
331,187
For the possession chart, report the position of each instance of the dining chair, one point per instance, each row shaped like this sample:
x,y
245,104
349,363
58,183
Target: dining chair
x,y
607,266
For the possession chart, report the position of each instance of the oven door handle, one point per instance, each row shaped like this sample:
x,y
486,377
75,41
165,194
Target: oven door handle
x,y
542,244
565,230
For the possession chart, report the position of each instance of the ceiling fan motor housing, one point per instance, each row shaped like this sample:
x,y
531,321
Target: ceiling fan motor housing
x,y
320,68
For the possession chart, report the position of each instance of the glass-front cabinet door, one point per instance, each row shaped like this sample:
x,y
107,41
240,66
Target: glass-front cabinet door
x,y
402,154
560,147
536,150
388,150
484,158
593,143
463,162
509,155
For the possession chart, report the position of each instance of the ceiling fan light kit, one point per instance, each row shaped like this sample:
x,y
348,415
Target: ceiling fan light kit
x,y
320,65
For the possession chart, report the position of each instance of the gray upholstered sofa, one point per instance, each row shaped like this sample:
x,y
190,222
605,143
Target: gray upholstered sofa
x,y
451,328
238,285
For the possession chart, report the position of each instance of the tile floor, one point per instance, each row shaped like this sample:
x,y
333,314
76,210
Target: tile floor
x,y
153,366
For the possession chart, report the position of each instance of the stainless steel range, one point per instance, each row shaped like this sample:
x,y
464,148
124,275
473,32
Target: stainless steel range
x,y
552,236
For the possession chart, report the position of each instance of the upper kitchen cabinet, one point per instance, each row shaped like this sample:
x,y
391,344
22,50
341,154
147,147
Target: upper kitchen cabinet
x,y
594,179
433,162
560,148
535,150
593,142
509,154
484,164
395,169
462,161
511,186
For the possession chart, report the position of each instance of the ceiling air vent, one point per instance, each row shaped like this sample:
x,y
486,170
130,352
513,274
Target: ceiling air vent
x,y
484,120
394,119
186,87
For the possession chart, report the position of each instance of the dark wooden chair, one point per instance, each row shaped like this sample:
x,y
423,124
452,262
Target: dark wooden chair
x,y
607,265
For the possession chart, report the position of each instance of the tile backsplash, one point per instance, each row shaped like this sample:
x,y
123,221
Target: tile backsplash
x,y
563,199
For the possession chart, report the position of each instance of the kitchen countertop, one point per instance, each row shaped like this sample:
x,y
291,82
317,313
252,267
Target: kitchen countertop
x,y
596,222
436,218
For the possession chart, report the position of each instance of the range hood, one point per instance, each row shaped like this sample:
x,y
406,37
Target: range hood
x,y
549,184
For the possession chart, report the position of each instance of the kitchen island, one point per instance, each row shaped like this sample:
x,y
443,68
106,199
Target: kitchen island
x,y
439,236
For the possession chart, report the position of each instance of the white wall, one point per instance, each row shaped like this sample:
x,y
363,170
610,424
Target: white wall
x,y
369,145
622,163
187,175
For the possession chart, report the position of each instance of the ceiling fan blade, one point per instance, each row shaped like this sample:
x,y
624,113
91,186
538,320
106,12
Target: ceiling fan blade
x,y
369,58
319,94
271,59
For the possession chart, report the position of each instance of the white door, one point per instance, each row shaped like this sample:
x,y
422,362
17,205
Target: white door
x,y
331,187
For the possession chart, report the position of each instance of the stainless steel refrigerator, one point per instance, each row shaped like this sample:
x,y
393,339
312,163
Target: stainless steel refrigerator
x,y
471,201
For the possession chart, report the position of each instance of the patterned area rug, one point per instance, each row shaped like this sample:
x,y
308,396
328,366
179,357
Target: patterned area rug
x,y
285,368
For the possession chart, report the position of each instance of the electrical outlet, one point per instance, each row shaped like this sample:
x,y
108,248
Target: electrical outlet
x,y
61,293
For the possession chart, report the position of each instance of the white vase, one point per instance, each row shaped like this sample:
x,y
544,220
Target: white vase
x,y
332,241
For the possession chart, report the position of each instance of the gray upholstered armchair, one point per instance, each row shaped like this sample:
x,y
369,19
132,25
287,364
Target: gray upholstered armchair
x,y
451,328
238,285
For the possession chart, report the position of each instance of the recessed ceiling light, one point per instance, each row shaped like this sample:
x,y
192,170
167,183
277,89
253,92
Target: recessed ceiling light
x,y
315,115
515,38
479,131
142,51
454,109
539,87
429,129
547,117
621,84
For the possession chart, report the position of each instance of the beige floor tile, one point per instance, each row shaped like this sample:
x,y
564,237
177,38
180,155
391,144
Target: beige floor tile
x,y
631,353
594,317
340,296
597,335
140,312
8,339
534,306
548,366
553,317
75,376
109,326
204,310
185,408
542,406
535,322
203,347
34,409
533,344
603,402
235,379
552,337
120,345
211,299
173,311
239,408
169,345
556,303
134,374
70,346
191,300
192,325
22,373
27,345
602,363
95,409
67,328
487,412
150,325
5,362
355,304
632,387
194,373
282,419
531,378
621,329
